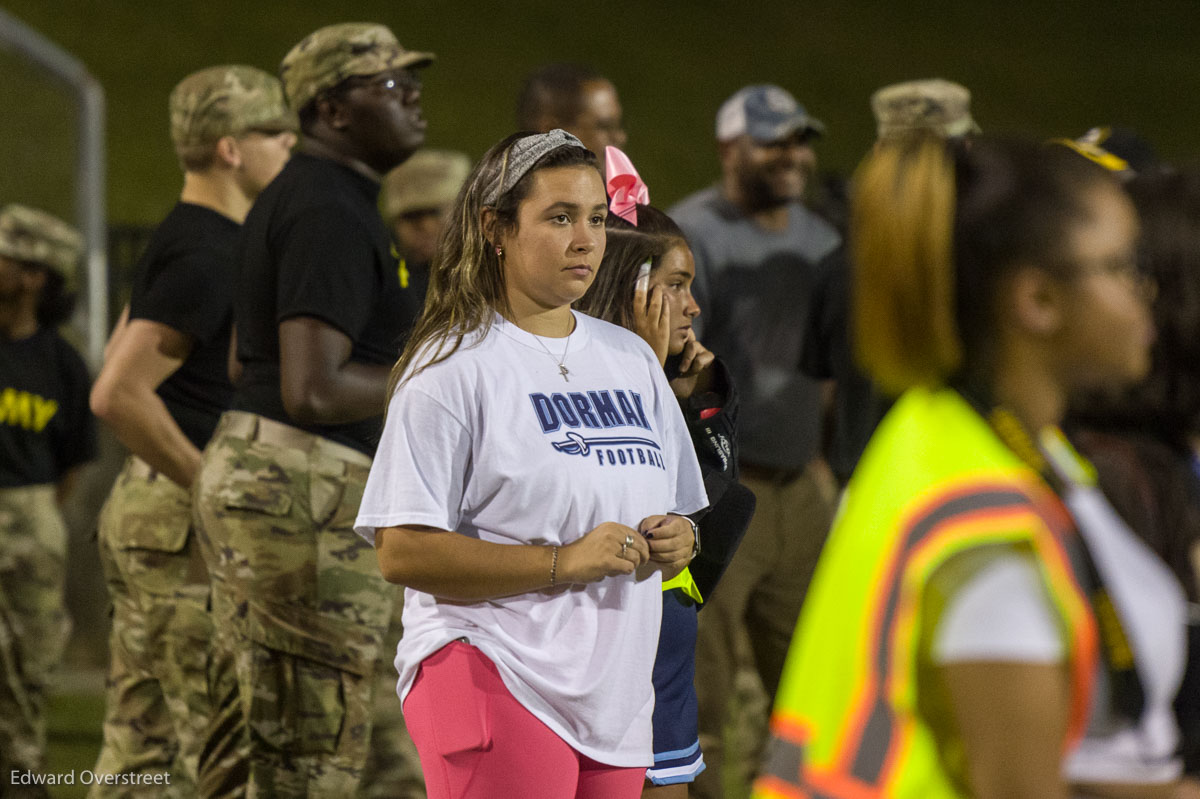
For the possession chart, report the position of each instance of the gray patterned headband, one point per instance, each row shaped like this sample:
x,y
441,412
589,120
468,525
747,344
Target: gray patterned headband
x,y
523,154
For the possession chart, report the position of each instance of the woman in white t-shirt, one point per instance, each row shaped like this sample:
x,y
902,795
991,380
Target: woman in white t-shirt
x,y
529,490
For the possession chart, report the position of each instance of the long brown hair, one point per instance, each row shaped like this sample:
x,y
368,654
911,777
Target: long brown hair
x,y
466,277
610,297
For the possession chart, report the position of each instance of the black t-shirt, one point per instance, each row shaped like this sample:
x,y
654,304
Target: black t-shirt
x,y
828,353
314,245
45,425
185,281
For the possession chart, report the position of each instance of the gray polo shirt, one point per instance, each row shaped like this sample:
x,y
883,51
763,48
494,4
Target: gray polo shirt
x,y
754,288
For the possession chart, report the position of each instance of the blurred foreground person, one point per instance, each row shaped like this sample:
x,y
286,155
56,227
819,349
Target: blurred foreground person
x,y
46,434
164,385
965,629
298,603
1145,442
901,110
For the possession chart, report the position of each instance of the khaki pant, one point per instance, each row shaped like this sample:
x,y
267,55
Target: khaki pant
x,y
300,609
33,623
757,603
393,769
156,693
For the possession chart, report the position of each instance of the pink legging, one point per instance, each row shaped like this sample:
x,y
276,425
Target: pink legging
x,y
476,740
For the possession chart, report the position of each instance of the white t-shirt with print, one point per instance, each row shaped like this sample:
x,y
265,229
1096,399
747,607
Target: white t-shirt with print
x,y
493,443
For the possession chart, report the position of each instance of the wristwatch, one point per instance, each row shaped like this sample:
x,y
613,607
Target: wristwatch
x,y
695,537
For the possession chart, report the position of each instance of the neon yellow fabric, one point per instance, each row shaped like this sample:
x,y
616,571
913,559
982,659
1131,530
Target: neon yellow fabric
x,y
684,581
934,481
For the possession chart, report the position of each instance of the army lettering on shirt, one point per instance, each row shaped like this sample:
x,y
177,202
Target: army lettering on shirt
x,y
45,425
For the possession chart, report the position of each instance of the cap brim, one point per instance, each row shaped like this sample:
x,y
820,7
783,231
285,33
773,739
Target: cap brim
x,y
283,123
783,130
413,60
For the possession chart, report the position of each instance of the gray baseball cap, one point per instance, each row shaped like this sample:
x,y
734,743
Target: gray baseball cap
x,y
766,114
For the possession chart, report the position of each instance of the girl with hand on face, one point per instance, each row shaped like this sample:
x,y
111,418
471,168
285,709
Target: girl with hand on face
x,y
644,285
970,631
530,491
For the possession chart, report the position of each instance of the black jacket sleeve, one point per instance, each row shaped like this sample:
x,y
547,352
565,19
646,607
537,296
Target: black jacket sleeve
x,y
712,422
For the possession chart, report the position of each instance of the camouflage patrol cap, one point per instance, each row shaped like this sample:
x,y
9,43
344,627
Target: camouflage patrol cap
x,y
328,56
27,234
429,180
936,106
226,101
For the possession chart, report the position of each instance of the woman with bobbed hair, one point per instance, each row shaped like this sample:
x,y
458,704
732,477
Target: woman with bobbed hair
x,y
530,490
966,625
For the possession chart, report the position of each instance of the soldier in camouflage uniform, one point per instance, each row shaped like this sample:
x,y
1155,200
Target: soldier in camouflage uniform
x,y
46,434
298,601
163,387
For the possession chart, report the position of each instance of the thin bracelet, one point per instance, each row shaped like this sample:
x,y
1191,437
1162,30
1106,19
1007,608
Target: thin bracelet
x,y
554,566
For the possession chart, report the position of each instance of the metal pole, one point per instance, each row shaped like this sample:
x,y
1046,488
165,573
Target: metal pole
x,y
90,209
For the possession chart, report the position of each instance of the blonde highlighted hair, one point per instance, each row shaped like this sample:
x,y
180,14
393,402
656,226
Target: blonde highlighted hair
x,y
936,226
902,223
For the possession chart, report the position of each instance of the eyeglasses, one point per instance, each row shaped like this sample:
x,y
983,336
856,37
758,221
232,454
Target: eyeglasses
x,y
403,82
1123,266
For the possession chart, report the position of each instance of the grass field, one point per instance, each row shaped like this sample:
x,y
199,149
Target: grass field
x,y
73,737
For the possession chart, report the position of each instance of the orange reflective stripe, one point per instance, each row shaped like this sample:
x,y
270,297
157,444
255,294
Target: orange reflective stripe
x,y
867,748
790,727
770,787
840,786
1085,643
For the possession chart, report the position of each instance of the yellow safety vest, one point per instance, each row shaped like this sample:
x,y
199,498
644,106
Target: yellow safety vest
x,y
935,481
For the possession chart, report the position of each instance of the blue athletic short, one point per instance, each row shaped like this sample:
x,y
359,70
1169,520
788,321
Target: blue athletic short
x,y
677,755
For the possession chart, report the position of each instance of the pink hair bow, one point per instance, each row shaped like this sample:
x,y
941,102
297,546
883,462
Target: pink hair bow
x,y
625,187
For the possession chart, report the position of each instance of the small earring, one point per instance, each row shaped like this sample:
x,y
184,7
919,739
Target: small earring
x,y
499,251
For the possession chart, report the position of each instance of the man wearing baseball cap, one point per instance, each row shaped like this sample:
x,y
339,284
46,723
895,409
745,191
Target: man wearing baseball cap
x,y
298,601
757,248
46,434
163,386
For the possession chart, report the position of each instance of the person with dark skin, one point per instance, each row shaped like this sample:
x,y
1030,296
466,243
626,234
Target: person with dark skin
x,y
759,252
46,435
416,202
577,99
319,315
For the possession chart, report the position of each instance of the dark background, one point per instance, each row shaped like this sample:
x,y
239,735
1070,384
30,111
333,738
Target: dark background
x,y
1047,68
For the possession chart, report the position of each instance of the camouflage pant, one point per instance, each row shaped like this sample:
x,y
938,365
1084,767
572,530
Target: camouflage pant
x,y
33,622
157,692
300,609
393,769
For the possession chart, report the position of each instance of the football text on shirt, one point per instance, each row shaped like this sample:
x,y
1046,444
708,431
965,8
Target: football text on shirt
x,y
580,412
